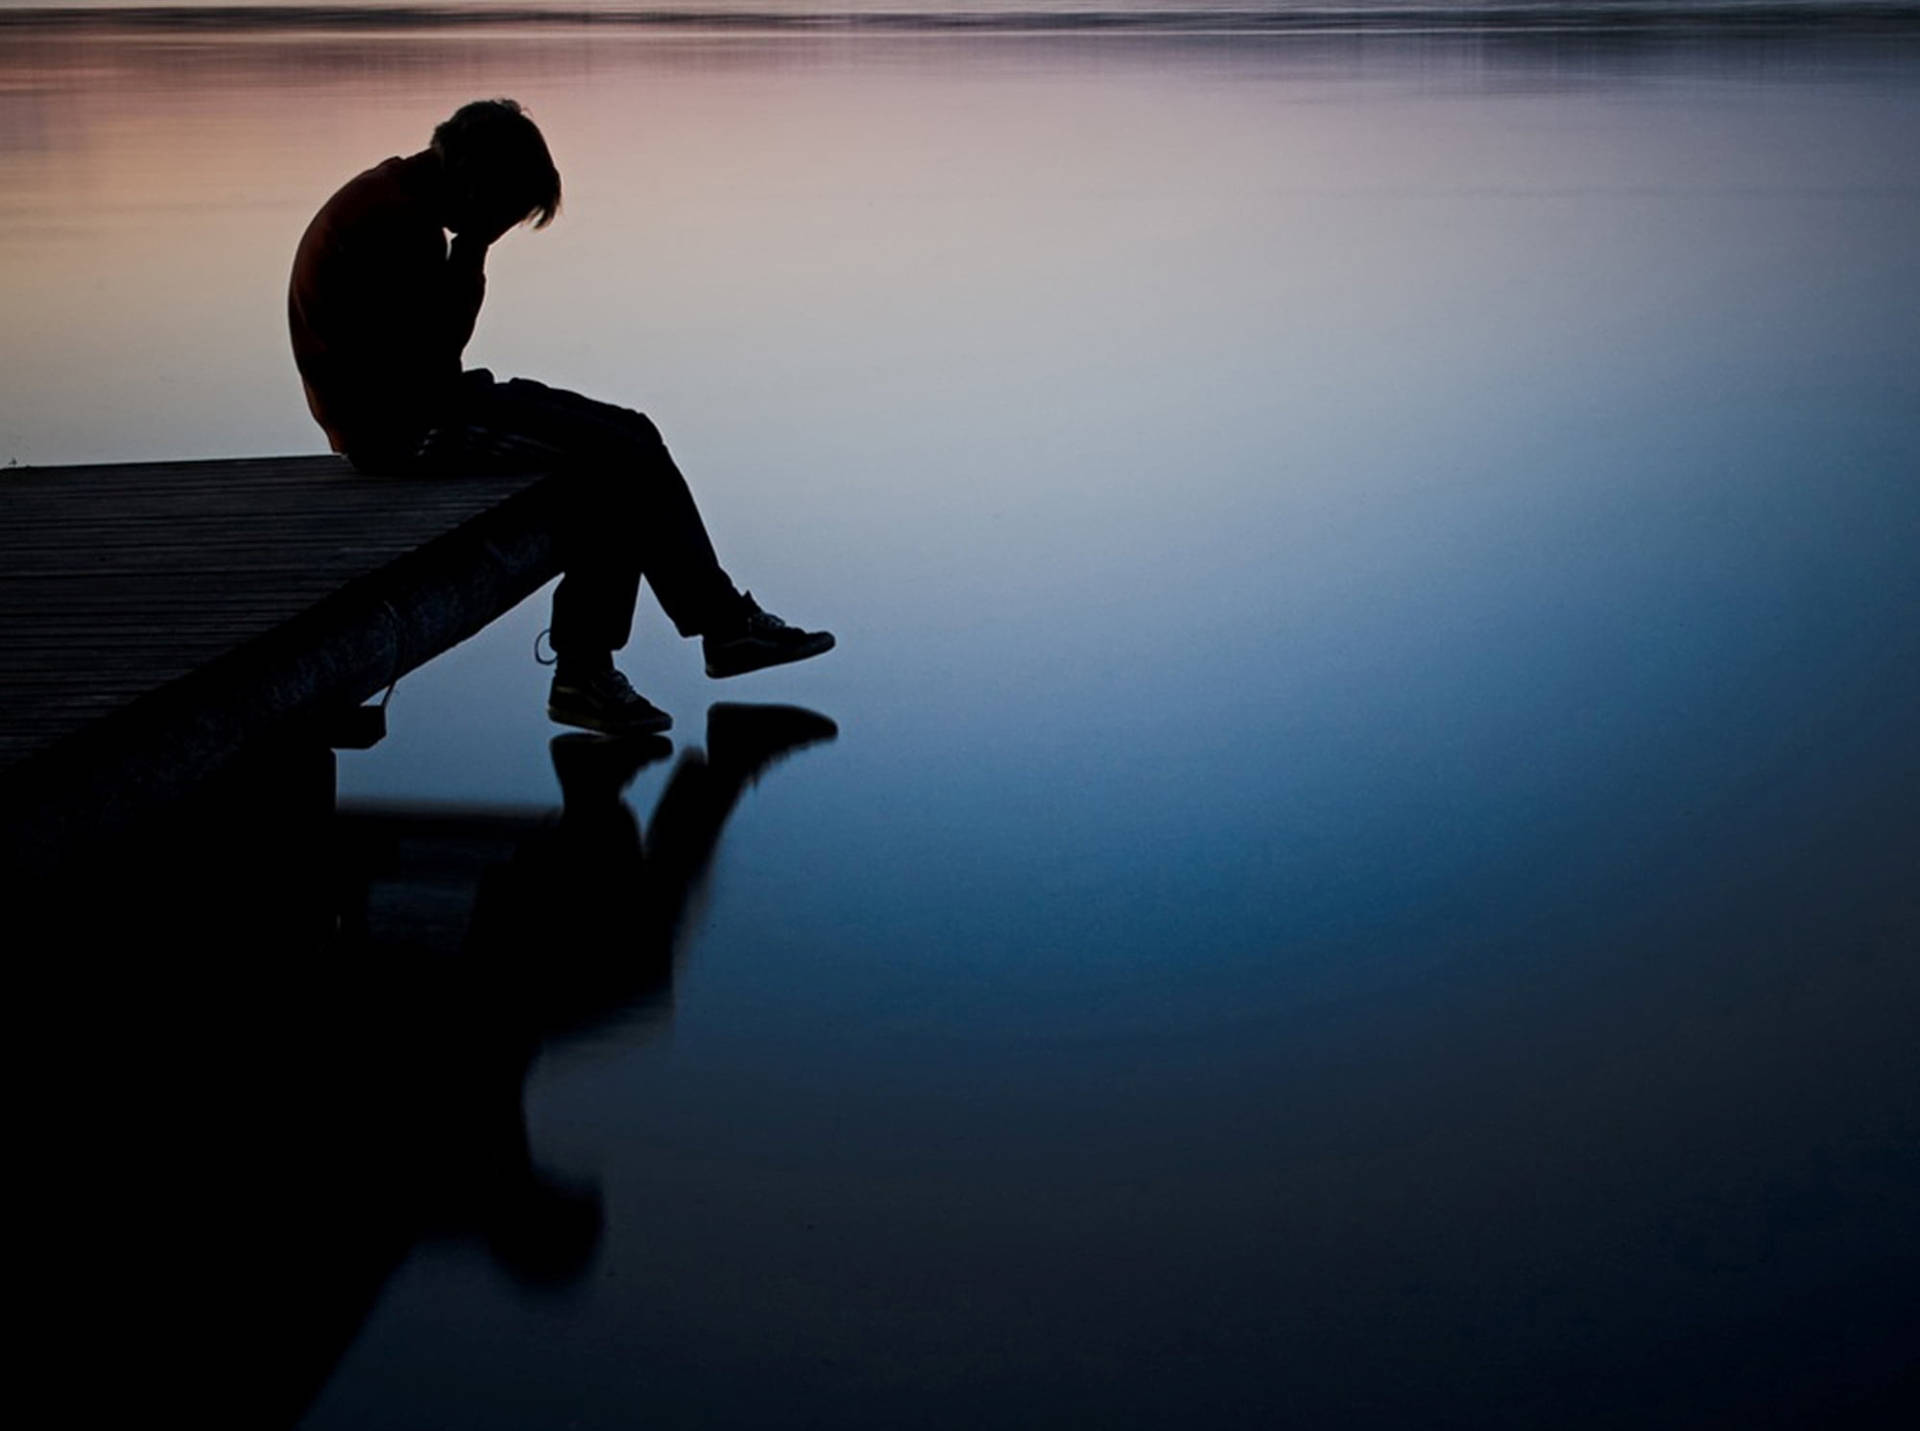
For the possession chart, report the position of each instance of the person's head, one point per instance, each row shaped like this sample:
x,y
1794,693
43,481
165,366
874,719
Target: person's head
x,y
497,169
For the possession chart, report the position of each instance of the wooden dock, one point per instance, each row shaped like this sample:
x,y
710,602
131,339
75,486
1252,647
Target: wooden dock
x,y
160,621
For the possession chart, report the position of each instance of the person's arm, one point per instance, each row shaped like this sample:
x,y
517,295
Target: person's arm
x,y
466,288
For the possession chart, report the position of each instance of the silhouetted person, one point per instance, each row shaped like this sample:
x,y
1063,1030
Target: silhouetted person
x,y
381,307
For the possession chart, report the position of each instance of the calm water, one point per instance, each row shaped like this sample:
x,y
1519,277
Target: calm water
x,y
1368,873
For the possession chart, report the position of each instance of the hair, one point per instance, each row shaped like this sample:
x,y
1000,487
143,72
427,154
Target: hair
x,y
492,144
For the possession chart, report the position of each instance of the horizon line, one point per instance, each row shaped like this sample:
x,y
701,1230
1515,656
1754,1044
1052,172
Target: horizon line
x,y
1274,16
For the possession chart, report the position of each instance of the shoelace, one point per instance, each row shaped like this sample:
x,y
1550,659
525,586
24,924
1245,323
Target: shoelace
x,y
610,684
758,620
609,687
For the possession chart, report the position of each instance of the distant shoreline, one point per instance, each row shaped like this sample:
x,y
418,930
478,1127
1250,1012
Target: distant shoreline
x,y
1580,15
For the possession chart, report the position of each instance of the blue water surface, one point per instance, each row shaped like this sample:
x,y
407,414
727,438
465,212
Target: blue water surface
x,y
1367,877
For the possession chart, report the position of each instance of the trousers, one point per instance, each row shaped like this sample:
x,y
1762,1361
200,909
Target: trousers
x,y
626,515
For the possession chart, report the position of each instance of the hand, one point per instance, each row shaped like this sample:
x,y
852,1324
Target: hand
x,y
482,225
468,251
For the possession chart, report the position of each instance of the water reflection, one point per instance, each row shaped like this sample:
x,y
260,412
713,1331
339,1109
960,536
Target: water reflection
x,y
425,958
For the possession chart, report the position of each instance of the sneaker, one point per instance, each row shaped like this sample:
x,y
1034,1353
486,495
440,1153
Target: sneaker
x,y
762,639
606,703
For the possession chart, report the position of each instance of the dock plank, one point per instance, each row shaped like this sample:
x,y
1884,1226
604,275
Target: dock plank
x,y
158,619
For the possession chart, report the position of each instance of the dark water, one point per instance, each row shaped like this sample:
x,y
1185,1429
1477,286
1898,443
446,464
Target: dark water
x,y
1367,874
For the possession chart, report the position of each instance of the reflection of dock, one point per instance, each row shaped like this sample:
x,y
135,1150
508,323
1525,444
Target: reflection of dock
x,y
158,621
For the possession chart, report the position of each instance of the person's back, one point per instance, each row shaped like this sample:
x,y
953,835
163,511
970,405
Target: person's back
x,y
377,319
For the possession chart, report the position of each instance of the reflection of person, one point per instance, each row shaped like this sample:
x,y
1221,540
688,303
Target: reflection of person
x,y
603,904
416,1125
381,307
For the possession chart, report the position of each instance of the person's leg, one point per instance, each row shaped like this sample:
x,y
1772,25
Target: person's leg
x,y
628,514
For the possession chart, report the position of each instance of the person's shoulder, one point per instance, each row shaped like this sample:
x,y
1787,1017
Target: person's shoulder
x,y
384,187
383,207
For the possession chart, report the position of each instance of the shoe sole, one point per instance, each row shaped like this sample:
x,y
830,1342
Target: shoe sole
x,y
757,661
583,720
